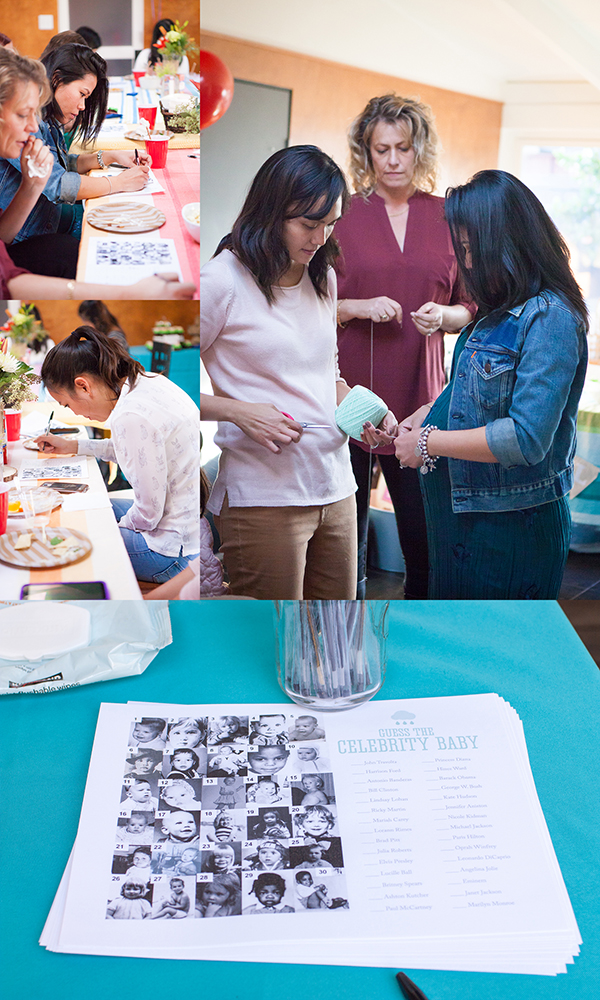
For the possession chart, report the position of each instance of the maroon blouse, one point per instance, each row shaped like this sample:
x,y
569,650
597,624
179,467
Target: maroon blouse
x,y
8,270
408,368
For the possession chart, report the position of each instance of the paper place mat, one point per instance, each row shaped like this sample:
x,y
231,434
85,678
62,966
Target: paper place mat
x,y
71,469
126,217
124,261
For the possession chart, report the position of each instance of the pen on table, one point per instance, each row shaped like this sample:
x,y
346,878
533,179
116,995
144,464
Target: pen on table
x,y
409,989
47,431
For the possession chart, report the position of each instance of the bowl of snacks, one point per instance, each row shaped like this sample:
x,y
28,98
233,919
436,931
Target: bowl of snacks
x,y
191,217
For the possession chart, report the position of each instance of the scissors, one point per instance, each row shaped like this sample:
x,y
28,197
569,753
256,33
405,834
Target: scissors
x,y
306,426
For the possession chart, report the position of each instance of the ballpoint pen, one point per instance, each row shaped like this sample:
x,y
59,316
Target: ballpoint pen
x,y
410,990
137,159
47,431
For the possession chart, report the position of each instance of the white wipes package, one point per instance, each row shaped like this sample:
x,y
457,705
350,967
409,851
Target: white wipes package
x,y
50,646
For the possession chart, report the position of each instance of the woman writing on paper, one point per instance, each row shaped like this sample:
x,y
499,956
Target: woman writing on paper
x,y
154,439
39,186
497,504
284,494
399,290
23,89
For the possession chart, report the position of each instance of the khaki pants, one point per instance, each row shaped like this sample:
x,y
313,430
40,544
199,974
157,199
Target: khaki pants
x,y
290,553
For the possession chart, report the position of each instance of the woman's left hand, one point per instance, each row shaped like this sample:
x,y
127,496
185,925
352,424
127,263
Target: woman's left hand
x,y
127,159
405,445
382,435
429,318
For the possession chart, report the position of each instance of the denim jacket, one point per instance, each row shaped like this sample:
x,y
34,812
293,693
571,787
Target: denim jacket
x,y
62,186
520,375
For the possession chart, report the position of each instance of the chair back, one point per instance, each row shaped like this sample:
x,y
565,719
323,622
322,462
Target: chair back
x,y
161,358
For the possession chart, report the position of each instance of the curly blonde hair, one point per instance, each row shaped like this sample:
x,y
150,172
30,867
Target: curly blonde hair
x,y
15,70
394,110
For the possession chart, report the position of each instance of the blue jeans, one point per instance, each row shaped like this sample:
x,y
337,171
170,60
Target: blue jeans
x,y
149,566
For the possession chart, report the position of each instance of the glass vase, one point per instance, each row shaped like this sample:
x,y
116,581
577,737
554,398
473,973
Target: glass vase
x,y
331,655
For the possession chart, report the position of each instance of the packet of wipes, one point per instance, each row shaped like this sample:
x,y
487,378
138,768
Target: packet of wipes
x,y
55,645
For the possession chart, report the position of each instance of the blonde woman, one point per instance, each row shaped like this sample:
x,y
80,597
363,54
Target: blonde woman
x,y
398,291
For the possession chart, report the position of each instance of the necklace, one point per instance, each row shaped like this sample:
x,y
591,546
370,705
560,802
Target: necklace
x,y
396,215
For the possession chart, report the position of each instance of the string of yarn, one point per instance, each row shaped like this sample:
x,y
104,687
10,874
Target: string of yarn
x,y
356,408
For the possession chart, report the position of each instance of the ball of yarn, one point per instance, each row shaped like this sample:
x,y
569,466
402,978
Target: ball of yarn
x,y
356,408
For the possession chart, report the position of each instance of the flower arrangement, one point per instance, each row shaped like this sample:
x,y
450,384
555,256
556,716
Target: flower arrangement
x,y
175,43
16,379
24,328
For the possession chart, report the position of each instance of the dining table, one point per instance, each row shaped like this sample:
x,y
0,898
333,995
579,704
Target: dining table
x,y
90,513
224,652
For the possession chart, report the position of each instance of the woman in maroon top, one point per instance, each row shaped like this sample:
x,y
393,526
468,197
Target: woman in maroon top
x,y
399,291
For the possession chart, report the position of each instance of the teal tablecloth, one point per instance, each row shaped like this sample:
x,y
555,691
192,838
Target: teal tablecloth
x,y
184,371
527,652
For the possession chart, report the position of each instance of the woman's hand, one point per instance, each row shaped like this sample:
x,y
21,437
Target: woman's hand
x,y
382,435
162,286
133,179
266,425
54,444
41,158
381,309
405,445
416,419
429,318
127,159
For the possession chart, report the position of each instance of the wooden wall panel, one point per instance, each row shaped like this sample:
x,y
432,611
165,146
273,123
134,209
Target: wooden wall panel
x,y
20,22
136,318
326,96
177,10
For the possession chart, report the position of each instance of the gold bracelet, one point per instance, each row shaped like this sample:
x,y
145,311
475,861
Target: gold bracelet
x,y
70,289
337,315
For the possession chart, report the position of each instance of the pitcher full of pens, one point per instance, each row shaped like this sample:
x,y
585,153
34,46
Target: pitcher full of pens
x,y
331,655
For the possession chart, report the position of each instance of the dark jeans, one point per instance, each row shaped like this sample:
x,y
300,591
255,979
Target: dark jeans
x,y
405,491
54,255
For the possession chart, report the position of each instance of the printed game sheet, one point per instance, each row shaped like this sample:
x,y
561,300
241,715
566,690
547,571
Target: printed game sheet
x,y
397,833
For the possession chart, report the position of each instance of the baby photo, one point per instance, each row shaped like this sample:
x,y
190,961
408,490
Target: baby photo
x,y
307,757
268,760
181,793
137,828
227,729
221,859
266,791
305,727
224,793
220,898
268,730
266,856
324,854
185,763
223,825
187,861
173,898
228,759
131,899
139,795
316,821
268,893
178,827
144,763
148,733
137,863
186,732
320,892
273,824
313,790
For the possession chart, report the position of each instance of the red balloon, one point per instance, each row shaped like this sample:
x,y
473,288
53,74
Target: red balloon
x,y
216,88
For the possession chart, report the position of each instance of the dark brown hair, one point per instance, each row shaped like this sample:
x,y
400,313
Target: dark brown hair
x,y
87,352
95,312
72,62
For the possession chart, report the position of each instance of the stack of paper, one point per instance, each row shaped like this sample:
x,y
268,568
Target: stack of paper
x,y
402,833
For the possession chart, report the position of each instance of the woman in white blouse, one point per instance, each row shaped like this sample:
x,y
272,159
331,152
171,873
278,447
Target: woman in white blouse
x,y
155,440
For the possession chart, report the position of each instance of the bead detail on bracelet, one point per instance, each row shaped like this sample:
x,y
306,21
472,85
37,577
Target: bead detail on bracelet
x,y
100,159
422,451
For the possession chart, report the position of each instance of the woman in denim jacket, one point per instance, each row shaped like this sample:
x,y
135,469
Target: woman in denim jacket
x,y
497,508
36,209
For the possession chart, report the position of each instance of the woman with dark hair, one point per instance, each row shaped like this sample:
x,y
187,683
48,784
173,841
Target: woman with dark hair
x,y
97,314
6,42
90,36
79,89
284,498
148,59
497,508
399,291
154,439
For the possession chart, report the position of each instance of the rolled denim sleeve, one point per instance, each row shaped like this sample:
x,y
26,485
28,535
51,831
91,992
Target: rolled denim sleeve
x,y
552,351
70,182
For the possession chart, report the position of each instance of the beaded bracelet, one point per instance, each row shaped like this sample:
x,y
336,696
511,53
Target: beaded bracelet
x,y
421,450
339,322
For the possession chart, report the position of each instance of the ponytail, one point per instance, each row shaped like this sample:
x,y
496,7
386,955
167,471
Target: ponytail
x,y
88,352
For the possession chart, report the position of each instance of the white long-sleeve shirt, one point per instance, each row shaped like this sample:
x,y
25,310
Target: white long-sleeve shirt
x,y
284,354
156,441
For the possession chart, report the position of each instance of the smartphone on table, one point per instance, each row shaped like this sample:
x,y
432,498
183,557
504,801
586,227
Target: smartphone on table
x,y
66,487
90,590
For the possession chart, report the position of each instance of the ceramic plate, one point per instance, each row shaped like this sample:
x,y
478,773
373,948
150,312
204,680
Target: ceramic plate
x,y
40,555
126,217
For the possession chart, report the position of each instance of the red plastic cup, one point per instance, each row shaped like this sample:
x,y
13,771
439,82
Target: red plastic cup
x,y
137,77
149,114
158,151
13,424
4,488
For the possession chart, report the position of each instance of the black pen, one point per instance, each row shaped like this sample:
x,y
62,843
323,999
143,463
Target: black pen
x,y
47,431
410,990
137,159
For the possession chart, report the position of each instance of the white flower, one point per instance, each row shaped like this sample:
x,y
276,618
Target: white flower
x,y
8,363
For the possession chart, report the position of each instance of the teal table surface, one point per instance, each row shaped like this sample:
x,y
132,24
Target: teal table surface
x,y
184,371
224,650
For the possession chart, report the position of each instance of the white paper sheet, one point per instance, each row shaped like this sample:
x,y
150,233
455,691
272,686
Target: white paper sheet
x,y
125,260
70,468
152,187
432,847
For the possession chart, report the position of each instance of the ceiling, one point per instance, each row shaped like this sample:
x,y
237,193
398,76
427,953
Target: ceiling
x,y
476,47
